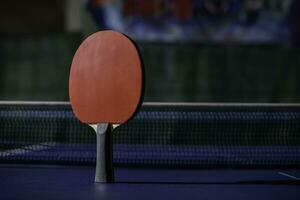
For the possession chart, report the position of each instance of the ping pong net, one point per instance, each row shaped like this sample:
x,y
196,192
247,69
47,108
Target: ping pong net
x,y
161,135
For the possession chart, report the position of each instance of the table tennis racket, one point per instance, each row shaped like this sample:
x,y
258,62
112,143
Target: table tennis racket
x,y
106,88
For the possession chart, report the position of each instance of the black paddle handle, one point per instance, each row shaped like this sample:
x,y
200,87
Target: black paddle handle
x,y
104,164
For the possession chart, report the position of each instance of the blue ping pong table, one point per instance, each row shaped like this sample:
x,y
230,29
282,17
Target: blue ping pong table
x,y
250,151
76,182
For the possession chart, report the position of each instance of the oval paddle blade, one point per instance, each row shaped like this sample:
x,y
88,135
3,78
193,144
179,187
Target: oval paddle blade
x,y
106,79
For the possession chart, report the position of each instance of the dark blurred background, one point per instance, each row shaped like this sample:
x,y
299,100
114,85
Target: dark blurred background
x,y
193,50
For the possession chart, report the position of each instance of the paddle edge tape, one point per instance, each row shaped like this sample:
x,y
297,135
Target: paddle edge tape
x,y
142,84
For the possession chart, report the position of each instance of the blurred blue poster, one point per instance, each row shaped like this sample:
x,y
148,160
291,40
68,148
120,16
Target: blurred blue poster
x,y
213,21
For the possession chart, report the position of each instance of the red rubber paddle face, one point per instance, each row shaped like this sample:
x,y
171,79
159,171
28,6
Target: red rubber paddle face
x,y
106,79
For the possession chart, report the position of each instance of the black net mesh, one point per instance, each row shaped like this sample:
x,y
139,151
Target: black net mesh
x,y
160,135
